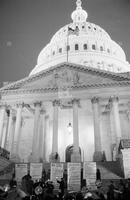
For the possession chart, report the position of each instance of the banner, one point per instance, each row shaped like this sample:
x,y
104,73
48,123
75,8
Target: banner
x,y
56,173
36,170
20,171
89,173
74,176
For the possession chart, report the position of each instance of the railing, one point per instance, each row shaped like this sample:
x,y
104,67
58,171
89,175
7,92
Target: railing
x,y
4,153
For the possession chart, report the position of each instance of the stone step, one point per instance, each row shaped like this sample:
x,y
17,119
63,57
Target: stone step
x,y
110,170
3,163
6,170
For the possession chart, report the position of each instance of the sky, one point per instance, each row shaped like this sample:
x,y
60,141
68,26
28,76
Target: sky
x,y
26,26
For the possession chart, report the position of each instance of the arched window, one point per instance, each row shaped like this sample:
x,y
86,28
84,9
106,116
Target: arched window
x,y
85,46
60,50
101,48
68,47
108,50
76,47
93,46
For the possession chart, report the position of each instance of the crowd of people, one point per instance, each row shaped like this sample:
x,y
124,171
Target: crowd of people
x,y
44,190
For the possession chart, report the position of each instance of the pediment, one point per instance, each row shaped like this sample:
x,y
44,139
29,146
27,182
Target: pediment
x,y
68,75
68,78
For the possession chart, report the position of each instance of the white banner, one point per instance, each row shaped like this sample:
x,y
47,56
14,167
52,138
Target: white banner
x,y
74,176
36,170
126,162
56,173
20,171
89,173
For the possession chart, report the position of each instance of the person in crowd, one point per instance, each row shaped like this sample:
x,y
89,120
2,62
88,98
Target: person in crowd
x,y
100,194
48,175
48,193
13,182
27,176
110,193
79,196
98,175
27,184
126,193
15,193
44,175
61,187
56,156
121,189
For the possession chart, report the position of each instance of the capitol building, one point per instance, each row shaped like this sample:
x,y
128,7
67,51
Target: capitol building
x,y
74,106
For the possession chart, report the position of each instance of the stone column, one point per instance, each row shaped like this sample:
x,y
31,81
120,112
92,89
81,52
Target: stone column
x,y
54,155
7,127
11,129
116,117
41,133
2,115
113,135
44,138
75,157
18,130
128,117
35,143
97,137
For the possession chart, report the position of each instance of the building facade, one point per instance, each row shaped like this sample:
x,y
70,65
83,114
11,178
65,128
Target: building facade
x,y
75,104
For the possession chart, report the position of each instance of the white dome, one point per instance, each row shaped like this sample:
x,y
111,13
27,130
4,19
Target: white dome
x,y
84,43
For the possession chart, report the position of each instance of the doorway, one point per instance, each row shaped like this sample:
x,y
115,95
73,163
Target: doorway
x,y
68,152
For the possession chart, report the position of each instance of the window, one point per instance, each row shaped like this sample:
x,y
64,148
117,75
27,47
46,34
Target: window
x,y
93,47
60,50
85,46
68,47
53,53
101,48
76,47
108,50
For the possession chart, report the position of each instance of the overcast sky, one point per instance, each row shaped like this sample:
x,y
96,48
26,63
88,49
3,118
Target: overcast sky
x,y
26,26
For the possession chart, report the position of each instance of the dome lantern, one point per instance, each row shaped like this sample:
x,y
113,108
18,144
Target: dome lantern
x,y
79,15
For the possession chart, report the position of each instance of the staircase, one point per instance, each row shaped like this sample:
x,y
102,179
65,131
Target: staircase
x,y
6,170
110,170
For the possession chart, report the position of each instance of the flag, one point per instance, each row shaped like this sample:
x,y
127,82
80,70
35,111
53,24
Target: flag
x,y
72,31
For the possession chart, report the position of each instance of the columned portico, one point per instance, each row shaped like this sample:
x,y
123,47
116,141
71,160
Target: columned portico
x,y
75,157
35,143
97,136
2,116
